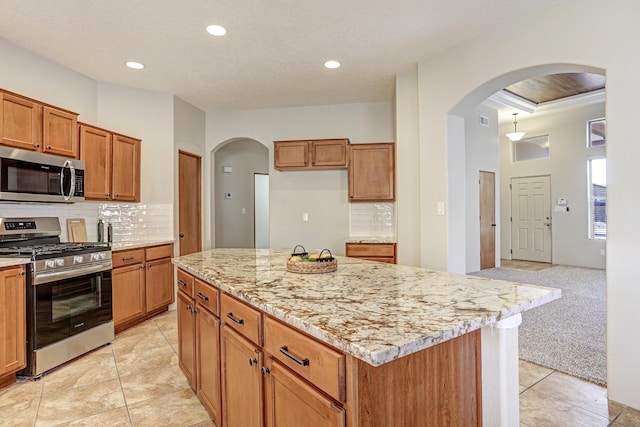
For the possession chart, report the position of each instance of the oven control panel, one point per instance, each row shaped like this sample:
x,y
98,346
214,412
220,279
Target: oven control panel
x,y
19,225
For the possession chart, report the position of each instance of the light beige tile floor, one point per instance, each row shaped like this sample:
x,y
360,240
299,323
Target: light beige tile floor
x,y
136,382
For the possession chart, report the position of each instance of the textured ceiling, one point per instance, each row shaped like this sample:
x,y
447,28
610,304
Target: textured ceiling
x,y
274,50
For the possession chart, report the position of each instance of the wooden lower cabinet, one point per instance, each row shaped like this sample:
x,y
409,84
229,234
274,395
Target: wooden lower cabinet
x,y
128,293
381,252
13,344
208,361
187,338
242,393
290,401
142,281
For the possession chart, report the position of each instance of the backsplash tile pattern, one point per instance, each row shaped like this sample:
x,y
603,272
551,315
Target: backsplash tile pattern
x,y
132,222
136,222
372,220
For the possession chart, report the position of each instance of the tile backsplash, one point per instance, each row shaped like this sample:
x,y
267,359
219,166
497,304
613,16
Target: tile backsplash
x,y
372,220
132,222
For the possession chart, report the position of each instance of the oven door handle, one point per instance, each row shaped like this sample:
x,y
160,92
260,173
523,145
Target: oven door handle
x,y
47,277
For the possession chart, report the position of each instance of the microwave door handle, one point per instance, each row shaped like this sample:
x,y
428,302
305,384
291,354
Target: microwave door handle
x,y
72,187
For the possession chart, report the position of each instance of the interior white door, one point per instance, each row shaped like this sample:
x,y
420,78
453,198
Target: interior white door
x,y
531,218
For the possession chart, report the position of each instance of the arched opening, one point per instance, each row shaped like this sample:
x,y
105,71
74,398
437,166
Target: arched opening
x,y
235,163
566,170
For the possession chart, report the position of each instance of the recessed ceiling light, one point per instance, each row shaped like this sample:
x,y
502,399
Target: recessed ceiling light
x,y
332,64
135,65
216,30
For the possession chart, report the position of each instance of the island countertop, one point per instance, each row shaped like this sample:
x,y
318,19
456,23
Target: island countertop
x,y
376,312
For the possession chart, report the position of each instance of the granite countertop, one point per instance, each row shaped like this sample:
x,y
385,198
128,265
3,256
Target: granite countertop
x,y
375,312
119,246
10,261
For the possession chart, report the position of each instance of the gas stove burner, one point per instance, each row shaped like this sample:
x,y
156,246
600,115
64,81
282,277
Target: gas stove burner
x,y
54,249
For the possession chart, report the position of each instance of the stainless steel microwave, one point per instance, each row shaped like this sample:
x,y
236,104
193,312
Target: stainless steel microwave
x,y
37,177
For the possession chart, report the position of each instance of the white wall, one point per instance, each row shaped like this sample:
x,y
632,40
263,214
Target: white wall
x,y
147,116
321,194
567,166
481,154
460,78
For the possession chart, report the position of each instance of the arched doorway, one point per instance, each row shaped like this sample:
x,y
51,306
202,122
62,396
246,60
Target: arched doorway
x,y
234,166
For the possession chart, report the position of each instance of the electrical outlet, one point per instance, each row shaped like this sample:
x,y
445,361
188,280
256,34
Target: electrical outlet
x,y
440,208
305,217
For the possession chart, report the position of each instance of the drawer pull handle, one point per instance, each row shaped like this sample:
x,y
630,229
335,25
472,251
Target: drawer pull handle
x,y
285,350
183,283
129,259
235,319
202,296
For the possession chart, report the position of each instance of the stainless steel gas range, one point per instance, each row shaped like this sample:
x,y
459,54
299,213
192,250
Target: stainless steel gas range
x,y
69,300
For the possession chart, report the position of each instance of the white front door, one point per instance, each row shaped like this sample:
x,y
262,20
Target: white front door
x,y
531,218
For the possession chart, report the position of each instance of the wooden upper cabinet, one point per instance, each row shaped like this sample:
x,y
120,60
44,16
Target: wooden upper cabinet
x,y
311,154
95,149
112,164
126,168
372,172
35,126
60,134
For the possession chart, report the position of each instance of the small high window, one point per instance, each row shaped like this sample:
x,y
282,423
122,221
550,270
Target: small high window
x,y
597,133
533,148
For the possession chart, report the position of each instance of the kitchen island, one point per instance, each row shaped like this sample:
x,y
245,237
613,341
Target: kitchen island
x,y
405,343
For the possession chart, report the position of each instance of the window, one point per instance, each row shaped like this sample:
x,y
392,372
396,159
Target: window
x,y
597,176
597,133
531,148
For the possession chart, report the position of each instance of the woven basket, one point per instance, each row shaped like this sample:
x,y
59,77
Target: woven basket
x,y
312,267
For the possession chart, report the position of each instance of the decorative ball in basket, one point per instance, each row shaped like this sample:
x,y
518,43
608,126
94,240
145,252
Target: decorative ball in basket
x,y
303,262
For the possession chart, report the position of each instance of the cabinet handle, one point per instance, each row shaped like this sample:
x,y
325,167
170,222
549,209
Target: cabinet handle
x,y
235,319
265,371
285,350
36,145
189,307
128,259
202,297
48,147
183,283
253,361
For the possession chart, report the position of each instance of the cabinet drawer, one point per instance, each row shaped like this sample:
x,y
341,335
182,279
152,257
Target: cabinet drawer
x,y
206,296
121,258
157,252
242,318
317,363
185,282
371,250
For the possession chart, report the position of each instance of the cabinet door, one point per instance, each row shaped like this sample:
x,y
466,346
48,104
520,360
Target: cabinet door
x,y
159,279
126,168
186,338
20,122
290,401
128,293
95,150
208,361
241,381
60,132
13,344
371,172
329,153
291,154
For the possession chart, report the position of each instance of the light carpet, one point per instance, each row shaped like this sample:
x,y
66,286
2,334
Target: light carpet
x,y
568,334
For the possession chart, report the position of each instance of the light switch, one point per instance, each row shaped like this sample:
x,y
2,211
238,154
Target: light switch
x,y
440,208
244,211
305,217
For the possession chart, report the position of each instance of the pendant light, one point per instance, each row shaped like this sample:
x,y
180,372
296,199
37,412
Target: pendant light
x,y
515,135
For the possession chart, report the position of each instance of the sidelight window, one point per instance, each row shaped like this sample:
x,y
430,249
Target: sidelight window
x,y
597,177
